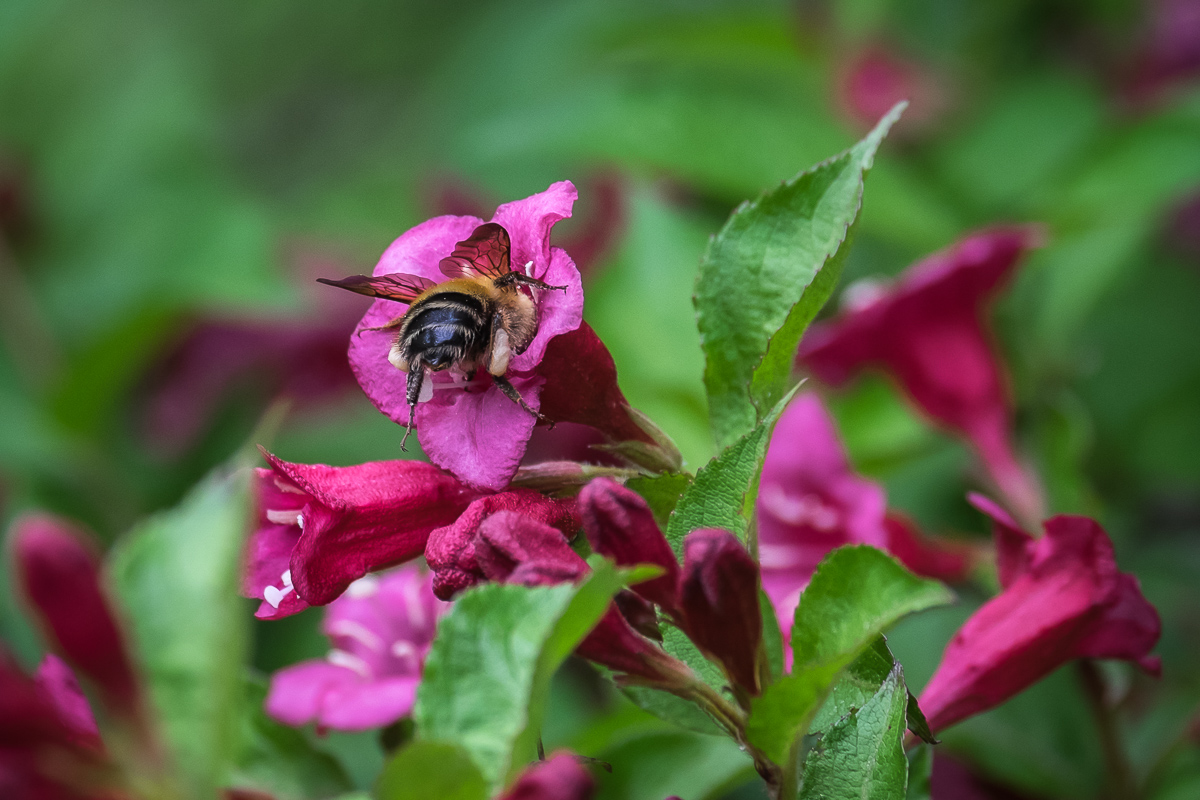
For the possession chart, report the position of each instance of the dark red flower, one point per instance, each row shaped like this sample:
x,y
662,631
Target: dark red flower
x,y
1063,599
620,525
930,556
560,777
321,527
450,550
719,595
929,332
59,572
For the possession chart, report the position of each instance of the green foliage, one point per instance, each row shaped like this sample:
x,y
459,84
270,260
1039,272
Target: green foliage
x,y
279,760
487,677
177,576
854,595
661,493
920,772
764,277
426,769
723,493
862,756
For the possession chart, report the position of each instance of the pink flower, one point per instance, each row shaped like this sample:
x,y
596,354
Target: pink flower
x,y
877,77
929,332
451,549
1063,599
810,502
475,432
932,557
560,777
381,630
321,528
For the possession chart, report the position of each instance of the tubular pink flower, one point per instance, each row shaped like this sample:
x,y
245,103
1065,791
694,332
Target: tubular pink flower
x,y
451,550
59,572
930,334
809,503
321,527
475,432
1063,599
560,777
381,630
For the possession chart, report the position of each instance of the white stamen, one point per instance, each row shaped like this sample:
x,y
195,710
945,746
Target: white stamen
x,y
807,509
275,596
426,392
356,631
414,609
283,516
406,653
340,658
286,577
365,586
529,269
300,521
779,556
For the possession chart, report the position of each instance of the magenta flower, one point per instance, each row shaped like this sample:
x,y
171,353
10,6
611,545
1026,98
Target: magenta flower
x,y
1063,599
560,777
321,528
450,551
810,502
59,571
932,557
472,429
930,334
381,630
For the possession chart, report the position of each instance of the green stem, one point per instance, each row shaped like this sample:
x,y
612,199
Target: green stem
x,y
1121,783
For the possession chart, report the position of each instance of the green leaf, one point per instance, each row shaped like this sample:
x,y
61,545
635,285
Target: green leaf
x,y
487,676
177,576
659,764
723,493
854,595
675,709
766,274
424,770
280,760
772,636
862,756
920,771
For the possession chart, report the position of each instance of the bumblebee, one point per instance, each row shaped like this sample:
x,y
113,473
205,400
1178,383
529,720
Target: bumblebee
x,y
478,319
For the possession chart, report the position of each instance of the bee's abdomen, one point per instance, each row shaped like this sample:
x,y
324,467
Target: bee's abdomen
x,y
446,327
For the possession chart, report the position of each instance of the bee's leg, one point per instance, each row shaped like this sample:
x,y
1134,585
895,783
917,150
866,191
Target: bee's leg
x,y
513,278
511,393
416,377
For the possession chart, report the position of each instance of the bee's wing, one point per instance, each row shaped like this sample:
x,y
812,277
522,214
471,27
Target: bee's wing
x,y
484,253
398,286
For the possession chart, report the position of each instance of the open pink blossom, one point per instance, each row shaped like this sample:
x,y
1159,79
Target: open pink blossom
x,y
1063,599
381,630
929,332
320,528
475,431
810,502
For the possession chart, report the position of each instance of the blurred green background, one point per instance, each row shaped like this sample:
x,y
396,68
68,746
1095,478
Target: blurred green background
x,y
173,176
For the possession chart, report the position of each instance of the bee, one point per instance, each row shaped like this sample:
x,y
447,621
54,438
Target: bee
x,y
478,319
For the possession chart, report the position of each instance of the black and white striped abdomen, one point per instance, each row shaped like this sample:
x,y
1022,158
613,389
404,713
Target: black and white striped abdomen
x,y
446,328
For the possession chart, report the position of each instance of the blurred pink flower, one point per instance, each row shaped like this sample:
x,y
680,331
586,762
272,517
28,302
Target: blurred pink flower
x,y
935,557
475,432
930,332
875,78
381,630
810,502
560,777
1063,599
1169,55
320,528
58,570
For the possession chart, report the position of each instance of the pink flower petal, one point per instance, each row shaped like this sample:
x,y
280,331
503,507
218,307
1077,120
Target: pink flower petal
x,y
928,556
364,705
297,693
1069,602
58,682
560,777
